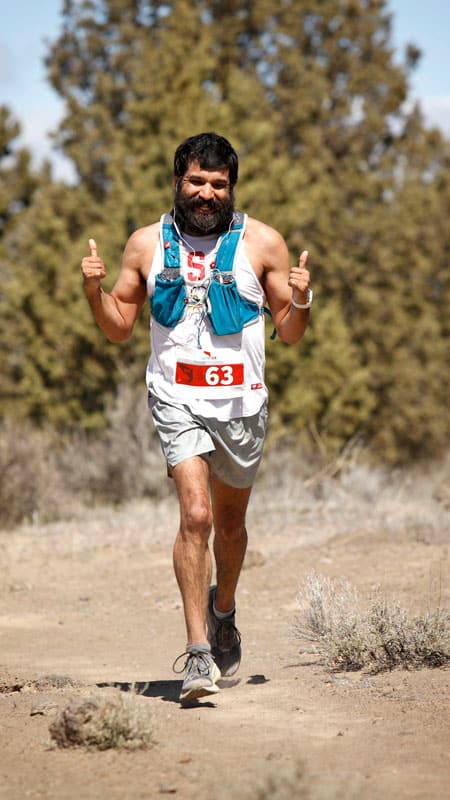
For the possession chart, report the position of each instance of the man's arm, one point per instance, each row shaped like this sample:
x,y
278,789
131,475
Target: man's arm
x,y
117,311
282,283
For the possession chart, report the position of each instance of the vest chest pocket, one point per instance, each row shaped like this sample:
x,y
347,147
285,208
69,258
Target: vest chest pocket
x,y
228,311
168,304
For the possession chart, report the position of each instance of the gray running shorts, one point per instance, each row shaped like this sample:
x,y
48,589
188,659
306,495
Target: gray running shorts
x,y
233,448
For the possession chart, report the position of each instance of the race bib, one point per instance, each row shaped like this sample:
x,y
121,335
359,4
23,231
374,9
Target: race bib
x,y
209,376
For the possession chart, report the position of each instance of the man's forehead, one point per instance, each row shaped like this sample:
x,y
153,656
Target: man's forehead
x,y
194,168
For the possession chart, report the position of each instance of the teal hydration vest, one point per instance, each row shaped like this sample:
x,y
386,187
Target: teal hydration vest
x,y
226,309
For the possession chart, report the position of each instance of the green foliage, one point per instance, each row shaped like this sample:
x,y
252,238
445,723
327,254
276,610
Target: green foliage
x,y
55,363
320,381
314,103
17,181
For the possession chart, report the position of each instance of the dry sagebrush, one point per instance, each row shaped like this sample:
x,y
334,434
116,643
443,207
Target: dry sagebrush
x,y
380,637
46,475
350,495
290,782
99,723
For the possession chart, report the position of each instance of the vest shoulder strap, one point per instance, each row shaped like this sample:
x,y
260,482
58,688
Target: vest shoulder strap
x,y
170,243
229,243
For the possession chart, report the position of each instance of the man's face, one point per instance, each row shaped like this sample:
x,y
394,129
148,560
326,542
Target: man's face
x,y
204,201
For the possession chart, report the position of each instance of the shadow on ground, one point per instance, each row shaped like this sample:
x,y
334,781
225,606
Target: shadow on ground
x,y
168,691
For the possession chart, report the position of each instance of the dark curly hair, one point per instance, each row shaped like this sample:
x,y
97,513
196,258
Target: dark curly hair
x,y
211,151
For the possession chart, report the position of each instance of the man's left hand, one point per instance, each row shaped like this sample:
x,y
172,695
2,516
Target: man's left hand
x,y
299,279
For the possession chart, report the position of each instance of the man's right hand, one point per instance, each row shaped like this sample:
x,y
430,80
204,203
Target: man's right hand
x,y
93,268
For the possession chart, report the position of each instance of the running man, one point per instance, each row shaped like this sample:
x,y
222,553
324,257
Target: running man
x,y
208,271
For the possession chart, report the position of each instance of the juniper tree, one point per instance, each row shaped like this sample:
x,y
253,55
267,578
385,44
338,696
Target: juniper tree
x,y
313,100
18,180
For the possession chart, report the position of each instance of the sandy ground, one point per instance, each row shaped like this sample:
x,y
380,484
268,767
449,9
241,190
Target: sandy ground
x,y
96,601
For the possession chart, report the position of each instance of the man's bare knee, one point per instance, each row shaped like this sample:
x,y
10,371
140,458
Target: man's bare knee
x,y
197,519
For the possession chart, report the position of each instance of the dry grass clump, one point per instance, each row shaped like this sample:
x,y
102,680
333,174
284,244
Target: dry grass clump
x,y
350,494
46,475
99,723
381,637
281,785
121,463
29,481
283,782
291,782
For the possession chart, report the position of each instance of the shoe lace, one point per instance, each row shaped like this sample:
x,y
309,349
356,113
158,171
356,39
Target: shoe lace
x,y
195,662
227,635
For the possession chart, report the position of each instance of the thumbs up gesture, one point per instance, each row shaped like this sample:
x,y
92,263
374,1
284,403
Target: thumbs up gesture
x,y
299,279
93,268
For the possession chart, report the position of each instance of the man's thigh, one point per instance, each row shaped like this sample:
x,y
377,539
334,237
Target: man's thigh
x,y
191,478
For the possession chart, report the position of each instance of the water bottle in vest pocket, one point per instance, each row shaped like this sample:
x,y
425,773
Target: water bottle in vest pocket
x,y
168,304
228,311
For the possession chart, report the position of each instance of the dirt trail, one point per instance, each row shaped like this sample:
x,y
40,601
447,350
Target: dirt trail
x,y
97,602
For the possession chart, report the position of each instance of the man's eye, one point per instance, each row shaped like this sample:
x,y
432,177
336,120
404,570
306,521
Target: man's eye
x,y
217,186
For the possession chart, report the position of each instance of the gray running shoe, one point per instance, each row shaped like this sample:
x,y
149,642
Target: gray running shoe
x,y
201,674
224,638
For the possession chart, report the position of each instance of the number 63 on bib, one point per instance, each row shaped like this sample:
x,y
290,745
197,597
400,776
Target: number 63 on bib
x,y
210,377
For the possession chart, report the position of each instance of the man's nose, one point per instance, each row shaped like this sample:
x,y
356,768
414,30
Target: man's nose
x,y
206,191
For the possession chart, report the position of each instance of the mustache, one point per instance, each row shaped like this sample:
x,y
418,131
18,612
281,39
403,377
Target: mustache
x,y
198,202
189,213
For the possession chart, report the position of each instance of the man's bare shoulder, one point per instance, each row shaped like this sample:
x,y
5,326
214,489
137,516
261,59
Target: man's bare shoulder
x,y
144,237
258,231
140,248
264,244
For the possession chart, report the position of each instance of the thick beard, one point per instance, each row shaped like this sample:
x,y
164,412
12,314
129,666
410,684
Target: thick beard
x,y
193,220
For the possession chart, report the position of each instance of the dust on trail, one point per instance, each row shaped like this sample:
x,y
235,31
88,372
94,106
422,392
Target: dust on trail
x,y
94,606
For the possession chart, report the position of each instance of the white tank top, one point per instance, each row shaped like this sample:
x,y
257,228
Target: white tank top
x,y
217,376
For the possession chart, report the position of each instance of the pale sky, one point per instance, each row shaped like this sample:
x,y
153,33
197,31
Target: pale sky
x,y
25,25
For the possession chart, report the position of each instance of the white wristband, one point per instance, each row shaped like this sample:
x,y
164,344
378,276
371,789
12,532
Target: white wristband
x,y
308,304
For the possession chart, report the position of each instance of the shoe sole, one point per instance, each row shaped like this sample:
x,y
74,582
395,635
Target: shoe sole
x,y
203,691
195,694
